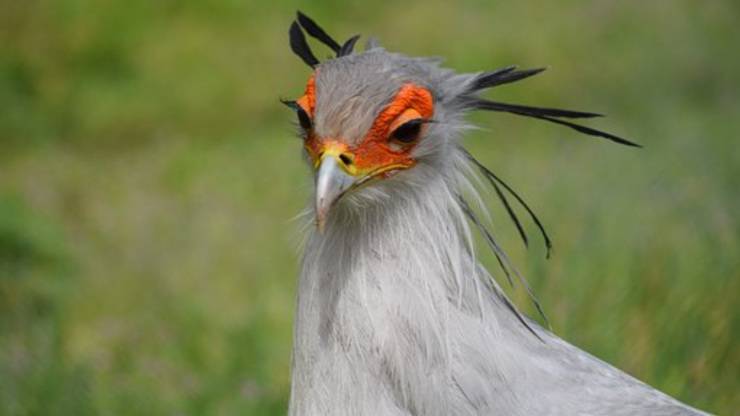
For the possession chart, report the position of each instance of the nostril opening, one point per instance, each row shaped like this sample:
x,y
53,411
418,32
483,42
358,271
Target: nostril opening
x,y
345,159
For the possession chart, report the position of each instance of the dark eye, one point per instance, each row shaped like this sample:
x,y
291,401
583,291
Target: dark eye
x,y
407,132
303,119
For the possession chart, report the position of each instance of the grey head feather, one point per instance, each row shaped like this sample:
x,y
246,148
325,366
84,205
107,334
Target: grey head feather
x,y
352,90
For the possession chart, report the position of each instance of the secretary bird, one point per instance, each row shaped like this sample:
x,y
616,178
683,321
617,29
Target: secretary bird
x,y
395,315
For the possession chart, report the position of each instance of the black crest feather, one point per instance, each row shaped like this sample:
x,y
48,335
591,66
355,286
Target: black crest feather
x,y
315,31
553,115
348,46
300,47
588,130
495,181
519,109
506,266
502,76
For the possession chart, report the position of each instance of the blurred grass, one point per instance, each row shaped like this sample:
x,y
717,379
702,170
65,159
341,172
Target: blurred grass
x,y
148,179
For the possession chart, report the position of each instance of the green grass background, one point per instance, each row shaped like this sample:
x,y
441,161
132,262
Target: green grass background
x,y
149,177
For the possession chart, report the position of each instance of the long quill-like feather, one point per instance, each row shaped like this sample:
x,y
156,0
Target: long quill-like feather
x,y
315,31
504,259
300,47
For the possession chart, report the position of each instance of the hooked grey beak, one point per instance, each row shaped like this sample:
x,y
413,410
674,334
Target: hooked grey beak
x,y
331,183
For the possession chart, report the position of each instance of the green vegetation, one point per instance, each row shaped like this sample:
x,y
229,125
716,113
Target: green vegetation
x,y
149,180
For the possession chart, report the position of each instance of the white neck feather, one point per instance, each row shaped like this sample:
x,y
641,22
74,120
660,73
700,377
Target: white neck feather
x,y
388,293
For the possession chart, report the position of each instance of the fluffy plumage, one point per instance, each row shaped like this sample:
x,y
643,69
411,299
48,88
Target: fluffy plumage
x,y
395,315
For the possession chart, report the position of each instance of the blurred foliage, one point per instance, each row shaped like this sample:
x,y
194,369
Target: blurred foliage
x,y
148,181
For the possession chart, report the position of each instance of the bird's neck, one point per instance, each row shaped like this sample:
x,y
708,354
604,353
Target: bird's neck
x,y
395,317
413,248
389,283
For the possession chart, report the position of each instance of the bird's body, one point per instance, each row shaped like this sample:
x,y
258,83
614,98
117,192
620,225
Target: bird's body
x,y
395,315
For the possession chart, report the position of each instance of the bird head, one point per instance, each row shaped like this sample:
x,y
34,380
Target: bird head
x,y
371,123
376,122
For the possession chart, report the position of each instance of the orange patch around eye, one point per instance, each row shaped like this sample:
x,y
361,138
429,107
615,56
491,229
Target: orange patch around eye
x,y
409,97
375,152
308,100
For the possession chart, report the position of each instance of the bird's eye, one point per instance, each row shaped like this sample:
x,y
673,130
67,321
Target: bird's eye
x,y
303,119
408,132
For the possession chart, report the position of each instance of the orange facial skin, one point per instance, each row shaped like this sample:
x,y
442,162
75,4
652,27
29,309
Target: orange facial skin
x,y
377,154
308,100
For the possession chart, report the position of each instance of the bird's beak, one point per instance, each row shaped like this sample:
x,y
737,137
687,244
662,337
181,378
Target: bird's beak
x,y
332,181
